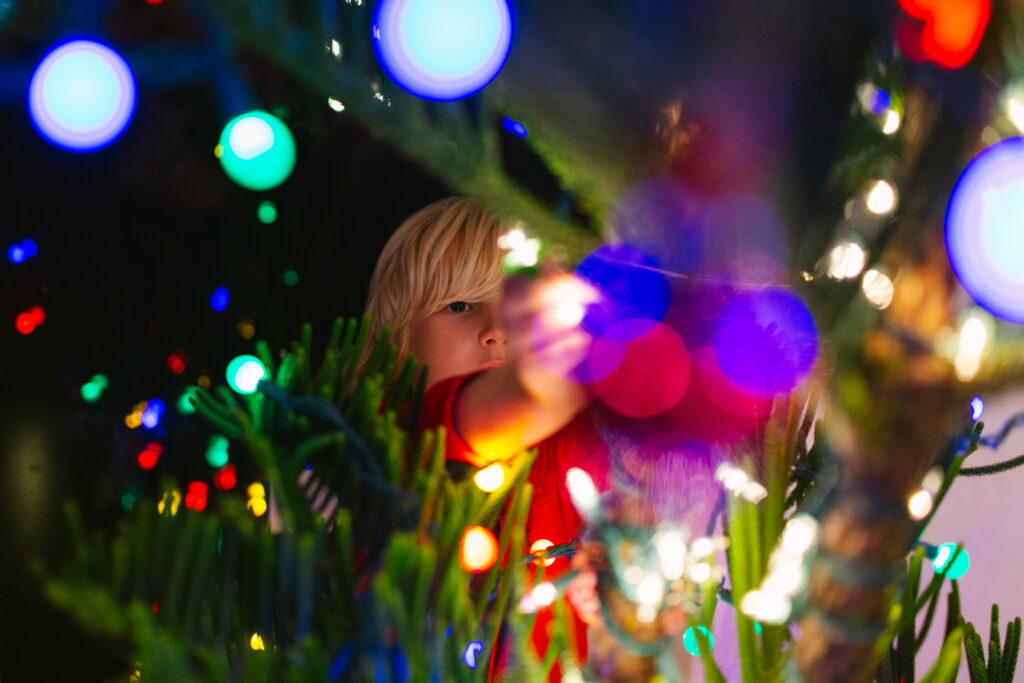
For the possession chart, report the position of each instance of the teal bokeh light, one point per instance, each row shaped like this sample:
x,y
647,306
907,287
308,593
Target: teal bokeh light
x,y
960,565
244,374
257,150
691,643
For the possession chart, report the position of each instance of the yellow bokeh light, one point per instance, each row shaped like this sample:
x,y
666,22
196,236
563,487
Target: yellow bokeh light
x,y
920,504
258,506
175,500
203,381
539,546
1015,110
478,550
878,288
218,151
256,642
881,198
490,478
245,329
256,490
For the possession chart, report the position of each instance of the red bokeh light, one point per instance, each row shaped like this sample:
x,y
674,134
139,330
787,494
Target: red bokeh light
x,y
951,33
177,361
226,477
25,323
652,377
195,499
38,314
149,456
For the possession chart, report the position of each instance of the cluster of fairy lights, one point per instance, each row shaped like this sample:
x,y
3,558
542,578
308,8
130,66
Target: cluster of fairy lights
x,y
772,601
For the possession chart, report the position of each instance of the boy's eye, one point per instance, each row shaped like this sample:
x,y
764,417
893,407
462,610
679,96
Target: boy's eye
x,y
457,307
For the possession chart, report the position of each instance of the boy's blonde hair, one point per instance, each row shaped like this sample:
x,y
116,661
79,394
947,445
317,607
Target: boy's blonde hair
x,y
447,251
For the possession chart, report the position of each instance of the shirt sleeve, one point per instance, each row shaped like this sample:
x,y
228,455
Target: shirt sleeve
x,y
438,410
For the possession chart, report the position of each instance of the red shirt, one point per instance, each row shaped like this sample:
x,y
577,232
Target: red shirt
x,y
552,515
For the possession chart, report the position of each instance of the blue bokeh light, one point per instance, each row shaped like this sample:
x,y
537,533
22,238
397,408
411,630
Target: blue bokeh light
x,y
442,49
30,247
81,96
514,127
766,341
220,298
153,413
977,408
633,289
983,230
16,254
472,650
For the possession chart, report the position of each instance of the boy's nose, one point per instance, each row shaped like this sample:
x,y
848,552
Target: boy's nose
x,y
493,332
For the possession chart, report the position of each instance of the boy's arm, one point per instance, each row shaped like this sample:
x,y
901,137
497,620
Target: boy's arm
x,y
501,411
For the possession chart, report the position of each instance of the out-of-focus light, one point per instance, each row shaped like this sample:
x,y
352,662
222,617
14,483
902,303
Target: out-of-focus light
x,y
960,565
442,49
336,105
766,606
195,499
153,413
220,298
632,285
217,451
977,408
754,492
654,371
881,198
266,212
966,367
28,245
334,47
81,96
671,547
185,407
490,478
973,337
538,547
257,150
25,323
564,303
478,549
846,261
920,504
651,589
16,254
258,506
692,644
766,341
169,502
525,256
702,547
544,594
1015,110
700,572
892,122
93,389
784,579
799,534
290,277
514,127
878,288
732,477
246,329
177,361
149,456
983,229
203,381
256,490
633,574
582,492
471,652
513,239
946,32
256,642
244,374
226,478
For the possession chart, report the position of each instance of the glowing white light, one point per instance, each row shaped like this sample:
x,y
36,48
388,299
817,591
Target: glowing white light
x,y
544,593
920,504
966,366
334,48
248,376
799,535
977,408
1015,110
754,492
525,255
251,137
766,607
582,491
846,260
538,547
892,122
933,480
572,676
734,479
785,580
973,337
650,590
633,575
881,199
334,104
700,572
515,239
528,605
672,552
878,288
702,547
490,478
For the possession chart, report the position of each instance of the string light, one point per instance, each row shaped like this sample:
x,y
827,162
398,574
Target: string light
x,y
185,407
226,478
582,492
960,565
149,456
700,572
846,261
514,127
244,373
973,339
152,414
671,547
920,504
266,212
543,594
256,642
691,642
881,198
977,408
471,652
490,478
892,122
1015,110
93,389
336,105
478,549
220,298
537,548
217,450
169,502
878,288
257,150
195,499
257,503
766,607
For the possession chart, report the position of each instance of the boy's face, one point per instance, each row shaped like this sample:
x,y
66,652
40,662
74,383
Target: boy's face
x,y
461,338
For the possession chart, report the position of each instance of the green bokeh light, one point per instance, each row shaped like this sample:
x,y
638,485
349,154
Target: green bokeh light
x,y
244,373
267,212
291,277
257,150
960,565
91,392
184,407
217,451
